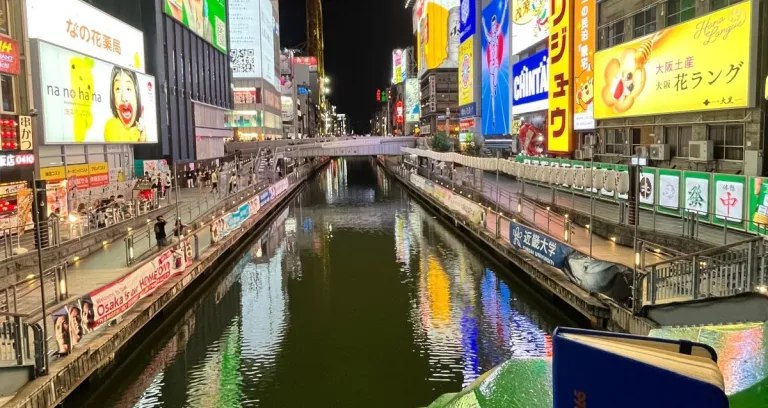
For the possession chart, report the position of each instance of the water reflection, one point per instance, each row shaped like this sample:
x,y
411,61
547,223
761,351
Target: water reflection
x,y
355,292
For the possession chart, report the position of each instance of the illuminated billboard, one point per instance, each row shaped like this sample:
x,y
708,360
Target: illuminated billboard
x,y
206,18
399,65
583,66
438,37
530,84
85,100
244,44
679,69
530,23
495,93
560,122
412,100
467,52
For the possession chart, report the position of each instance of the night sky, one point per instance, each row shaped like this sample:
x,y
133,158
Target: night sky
x,y
359,38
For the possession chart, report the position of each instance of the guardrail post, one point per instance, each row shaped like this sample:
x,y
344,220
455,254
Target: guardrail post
x,y
18,346
41,359
750,278
652,286
197,247
695,290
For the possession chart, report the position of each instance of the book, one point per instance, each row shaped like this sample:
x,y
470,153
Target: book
x,y
593,369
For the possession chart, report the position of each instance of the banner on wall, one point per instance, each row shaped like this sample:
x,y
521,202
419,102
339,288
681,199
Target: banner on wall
x,y
583,63
412,100
530,23
438,37
543,247
679,69
206,18
90,101
560,122
495,69
530,84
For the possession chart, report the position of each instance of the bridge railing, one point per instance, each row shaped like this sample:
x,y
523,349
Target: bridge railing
x,y
20,342
723,271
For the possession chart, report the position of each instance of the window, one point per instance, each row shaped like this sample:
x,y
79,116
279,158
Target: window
x,y
678,137
728,141
645,22
8,93
5,27
612,34
616,141
718,4
679,11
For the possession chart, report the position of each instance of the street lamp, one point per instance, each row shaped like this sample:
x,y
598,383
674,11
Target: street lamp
x,y
326,90
327,80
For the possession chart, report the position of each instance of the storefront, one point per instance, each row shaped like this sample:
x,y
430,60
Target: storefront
x,y
530,101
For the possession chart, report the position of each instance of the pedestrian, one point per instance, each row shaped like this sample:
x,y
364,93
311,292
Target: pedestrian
x,y
233,183
178,230
215,182
168,183
252,179
190,178
160,236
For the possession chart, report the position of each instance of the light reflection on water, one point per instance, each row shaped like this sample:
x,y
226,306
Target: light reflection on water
x,y
355,293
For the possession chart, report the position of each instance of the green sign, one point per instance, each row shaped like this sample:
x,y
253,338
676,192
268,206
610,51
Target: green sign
x,y
206,18
758,204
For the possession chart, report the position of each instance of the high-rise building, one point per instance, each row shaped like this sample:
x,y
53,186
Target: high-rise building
x,y
315,45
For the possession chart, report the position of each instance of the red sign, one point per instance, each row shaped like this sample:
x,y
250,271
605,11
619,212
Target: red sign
x,y
305,60
9,56
245,96
466,124
399,112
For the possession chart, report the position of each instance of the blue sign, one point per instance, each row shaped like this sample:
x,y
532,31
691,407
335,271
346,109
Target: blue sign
x,y
544,248
530,84
264,197
467,20
467,111
495,90
303,90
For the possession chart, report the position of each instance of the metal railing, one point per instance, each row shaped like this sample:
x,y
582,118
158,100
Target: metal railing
x,y
20,342
723,271
15,297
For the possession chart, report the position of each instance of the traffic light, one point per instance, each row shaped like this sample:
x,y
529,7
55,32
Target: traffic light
x,y
378,95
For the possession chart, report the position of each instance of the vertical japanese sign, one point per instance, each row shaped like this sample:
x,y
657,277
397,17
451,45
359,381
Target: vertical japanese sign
x,y
560,122
583,62
26,142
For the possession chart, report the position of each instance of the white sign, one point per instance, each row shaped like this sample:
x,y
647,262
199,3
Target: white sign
x,y
412,100
268,44
287,107
729,200
85,100
244,41
669,191
530,23
696,195
80,27
647,188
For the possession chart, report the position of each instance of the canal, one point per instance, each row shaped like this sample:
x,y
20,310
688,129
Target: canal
x,y
356,295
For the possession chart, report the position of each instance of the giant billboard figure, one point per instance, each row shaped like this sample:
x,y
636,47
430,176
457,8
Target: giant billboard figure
x,y
495,72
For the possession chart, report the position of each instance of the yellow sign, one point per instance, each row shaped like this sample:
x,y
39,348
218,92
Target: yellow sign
x,y
466,72
560,122
766,88
57,173
77,170
99,168
702,64
433,37
583,66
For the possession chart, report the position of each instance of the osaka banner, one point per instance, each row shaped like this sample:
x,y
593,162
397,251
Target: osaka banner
x,y
543,247
702,64
495,90
85,100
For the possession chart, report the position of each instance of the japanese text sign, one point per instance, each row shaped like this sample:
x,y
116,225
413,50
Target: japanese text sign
x,y
560,118
543,247
702,64
9,56
583,65
80,27
26,142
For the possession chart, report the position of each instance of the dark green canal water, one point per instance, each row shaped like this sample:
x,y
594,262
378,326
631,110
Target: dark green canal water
x,y
355,296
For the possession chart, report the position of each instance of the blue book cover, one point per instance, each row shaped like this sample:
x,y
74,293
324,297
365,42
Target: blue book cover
x,y
594,369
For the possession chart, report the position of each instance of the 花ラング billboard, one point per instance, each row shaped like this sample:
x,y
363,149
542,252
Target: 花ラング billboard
x,y
412,100
85,100
530,23
680,68
438,36
206,18
495,93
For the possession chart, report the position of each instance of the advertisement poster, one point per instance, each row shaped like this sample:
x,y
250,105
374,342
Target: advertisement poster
x,y
206,18
439,37
583,63
286,103
668,192
530,23
268,66
543,247
244,41
495,92
398,66
758,204
647,188
466,72
728,195
412,100
696,197
80,27
702,64
621,170
530,84
90,101
560,129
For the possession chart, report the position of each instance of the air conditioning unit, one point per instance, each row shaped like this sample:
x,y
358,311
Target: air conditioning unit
x,y
578,155
641,151
587,153
590,140
701,150
659,152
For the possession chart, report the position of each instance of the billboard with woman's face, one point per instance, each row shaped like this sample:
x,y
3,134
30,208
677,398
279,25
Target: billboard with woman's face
x,y
85,100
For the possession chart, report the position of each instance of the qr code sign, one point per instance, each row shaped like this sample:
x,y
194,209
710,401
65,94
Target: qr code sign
x,y
221,33
243,60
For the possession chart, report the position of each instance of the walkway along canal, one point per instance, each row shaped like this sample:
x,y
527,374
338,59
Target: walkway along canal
x,y
355,295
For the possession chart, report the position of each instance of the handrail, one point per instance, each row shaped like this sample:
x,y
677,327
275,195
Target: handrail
x,y
706,252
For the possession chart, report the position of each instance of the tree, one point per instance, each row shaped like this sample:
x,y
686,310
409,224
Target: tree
x,y
441,142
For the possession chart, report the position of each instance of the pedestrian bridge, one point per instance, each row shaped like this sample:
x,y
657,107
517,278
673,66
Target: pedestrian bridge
x,y
336,147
